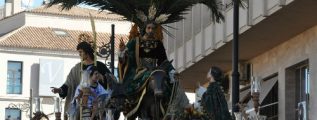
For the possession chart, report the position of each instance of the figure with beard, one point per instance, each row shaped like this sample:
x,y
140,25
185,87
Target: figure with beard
x,y
67,90
143,54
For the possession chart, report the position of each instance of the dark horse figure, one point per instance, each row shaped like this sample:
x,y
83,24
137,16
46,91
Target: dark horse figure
x,y
144,103
153,105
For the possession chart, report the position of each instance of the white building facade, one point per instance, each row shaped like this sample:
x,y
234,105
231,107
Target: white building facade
x,y
41,44
24,69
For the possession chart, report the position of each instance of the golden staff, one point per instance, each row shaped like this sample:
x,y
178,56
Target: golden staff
x,y
80,104
93,27
95,58
94,37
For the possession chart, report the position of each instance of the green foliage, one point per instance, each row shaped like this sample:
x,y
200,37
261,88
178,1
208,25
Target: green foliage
x,y
127,8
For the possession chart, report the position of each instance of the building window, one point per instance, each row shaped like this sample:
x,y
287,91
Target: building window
x,y
297,84
12,114
269,106
14,77
302,91
60,32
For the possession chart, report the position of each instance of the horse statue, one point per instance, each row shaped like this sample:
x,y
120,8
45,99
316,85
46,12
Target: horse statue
x,y
145,103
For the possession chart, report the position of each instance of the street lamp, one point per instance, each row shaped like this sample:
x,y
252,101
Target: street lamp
x,y
38,115
235,59
255,92
37,105
57,109
108,49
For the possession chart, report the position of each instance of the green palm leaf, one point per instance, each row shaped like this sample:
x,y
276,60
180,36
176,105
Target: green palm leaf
x,y
213,5
127,8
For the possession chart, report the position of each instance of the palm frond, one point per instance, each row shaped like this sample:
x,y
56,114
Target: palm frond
x,y
168,33
165,12
176,9
127,8
213,5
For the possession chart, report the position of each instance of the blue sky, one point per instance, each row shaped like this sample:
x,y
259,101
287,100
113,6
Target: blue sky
x,y
36,3
27,3
1,2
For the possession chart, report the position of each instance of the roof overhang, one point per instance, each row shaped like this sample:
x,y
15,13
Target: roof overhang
x,y
277,28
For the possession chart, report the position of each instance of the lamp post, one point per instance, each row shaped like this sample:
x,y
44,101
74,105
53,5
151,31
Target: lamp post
x,y
57,109
31,103
112,48
235,57
38,114
255,92
108,49
37,105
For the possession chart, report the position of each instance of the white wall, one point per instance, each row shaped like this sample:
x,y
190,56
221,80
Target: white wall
x,y
73,23
200,37
28,63
17,6
1,12
8,9
30,72
12,7
276,60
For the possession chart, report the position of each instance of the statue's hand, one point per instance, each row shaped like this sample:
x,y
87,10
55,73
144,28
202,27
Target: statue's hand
x,y
56,90
123,50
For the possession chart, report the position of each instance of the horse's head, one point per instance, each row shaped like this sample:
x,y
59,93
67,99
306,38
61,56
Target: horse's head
x,y
159,78
157,82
